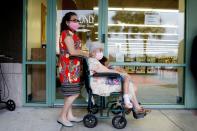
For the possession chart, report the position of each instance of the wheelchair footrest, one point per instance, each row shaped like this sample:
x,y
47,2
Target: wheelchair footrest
x,y
138,116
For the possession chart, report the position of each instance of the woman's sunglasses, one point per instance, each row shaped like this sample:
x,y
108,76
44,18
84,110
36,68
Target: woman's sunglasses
x,y
75,20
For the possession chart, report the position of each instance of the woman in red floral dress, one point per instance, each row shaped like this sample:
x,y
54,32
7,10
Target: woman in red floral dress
x,y
69,44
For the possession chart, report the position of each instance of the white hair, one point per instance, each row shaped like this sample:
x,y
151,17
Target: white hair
x,y
95,45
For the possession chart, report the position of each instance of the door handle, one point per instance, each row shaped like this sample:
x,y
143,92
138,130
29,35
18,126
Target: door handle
x,y
103,38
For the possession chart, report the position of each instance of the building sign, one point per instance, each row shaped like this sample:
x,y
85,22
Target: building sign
x,y
119,54
86,17
152,18
87,20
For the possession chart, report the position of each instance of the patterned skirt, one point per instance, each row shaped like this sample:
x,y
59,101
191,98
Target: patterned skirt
x,y
71,89
70,77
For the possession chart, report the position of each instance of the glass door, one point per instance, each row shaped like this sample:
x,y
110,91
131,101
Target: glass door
x,y
87,32
146,38
34,52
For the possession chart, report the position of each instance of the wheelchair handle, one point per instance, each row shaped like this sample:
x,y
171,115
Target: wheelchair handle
x,y
77,56
106,74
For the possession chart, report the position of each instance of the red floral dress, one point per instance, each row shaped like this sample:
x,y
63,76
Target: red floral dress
x,y
70,68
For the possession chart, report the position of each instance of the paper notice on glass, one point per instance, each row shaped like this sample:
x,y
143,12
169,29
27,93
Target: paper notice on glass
x,y
119,57
152,19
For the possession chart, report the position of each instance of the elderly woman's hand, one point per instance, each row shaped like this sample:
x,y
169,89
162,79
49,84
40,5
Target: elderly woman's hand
x,y
86,53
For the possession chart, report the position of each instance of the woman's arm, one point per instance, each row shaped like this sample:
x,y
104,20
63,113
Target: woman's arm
x,y
119,69
70,45
102,68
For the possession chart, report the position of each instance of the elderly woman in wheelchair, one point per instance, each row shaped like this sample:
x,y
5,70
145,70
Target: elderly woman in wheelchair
x,y
104,82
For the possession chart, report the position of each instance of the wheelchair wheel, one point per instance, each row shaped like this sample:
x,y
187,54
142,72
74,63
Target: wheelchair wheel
x,y
10,104
119,122
116,109
90,121
94,109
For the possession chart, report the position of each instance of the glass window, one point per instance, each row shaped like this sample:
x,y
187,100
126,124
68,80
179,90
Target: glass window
x,y
88,20
36,30
36,83
146,31
157,84
149,32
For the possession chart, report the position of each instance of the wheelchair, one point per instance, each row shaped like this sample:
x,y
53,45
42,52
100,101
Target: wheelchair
x,y
115,106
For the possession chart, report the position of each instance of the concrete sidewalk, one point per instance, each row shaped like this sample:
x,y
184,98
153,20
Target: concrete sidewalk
x,y
44,119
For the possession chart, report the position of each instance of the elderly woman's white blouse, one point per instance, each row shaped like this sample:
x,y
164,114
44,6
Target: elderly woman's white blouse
x,y
100,85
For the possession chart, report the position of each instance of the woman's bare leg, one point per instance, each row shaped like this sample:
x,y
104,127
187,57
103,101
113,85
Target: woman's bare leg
x,y
70,115
67,104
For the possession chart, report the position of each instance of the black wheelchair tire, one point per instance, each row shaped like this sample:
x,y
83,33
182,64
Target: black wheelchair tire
x,y
10,104
119,122
90,121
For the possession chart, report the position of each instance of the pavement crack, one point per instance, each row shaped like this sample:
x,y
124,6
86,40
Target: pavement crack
x,y
172,120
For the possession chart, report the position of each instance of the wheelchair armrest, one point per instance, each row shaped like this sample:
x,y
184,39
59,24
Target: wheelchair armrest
x,y
77,56
106,74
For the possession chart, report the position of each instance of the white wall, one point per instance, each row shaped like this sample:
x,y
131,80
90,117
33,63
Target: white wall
x,y
12,73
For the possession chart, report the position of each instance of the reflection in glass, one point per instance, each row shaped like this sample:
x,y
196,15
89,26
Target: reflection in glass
x,y
158,84
36,83
144,33
148,33
36,30
87,18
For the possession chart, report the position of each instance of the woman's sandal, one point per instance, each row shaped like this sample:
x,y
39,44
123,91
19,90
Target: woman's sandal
x,y
64,123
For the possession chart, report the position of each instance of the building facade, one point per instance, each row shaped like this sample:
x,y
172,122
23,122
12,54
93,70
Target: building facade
x,y
151,40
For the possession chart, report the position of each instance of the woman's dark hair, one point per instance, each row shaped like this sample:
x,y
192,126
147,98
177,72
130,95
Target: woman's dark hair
x,y
66,17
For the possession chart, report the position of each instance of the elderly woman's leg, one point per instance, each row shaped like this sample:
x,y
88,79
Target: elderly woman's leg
x,y
135,102
134,85
126,96
122,71
138,108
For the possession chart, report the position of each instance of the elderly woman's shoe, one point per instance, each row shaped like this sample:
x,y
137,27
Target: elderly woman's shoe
x,y
128,107
64,123
140,113
147,111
